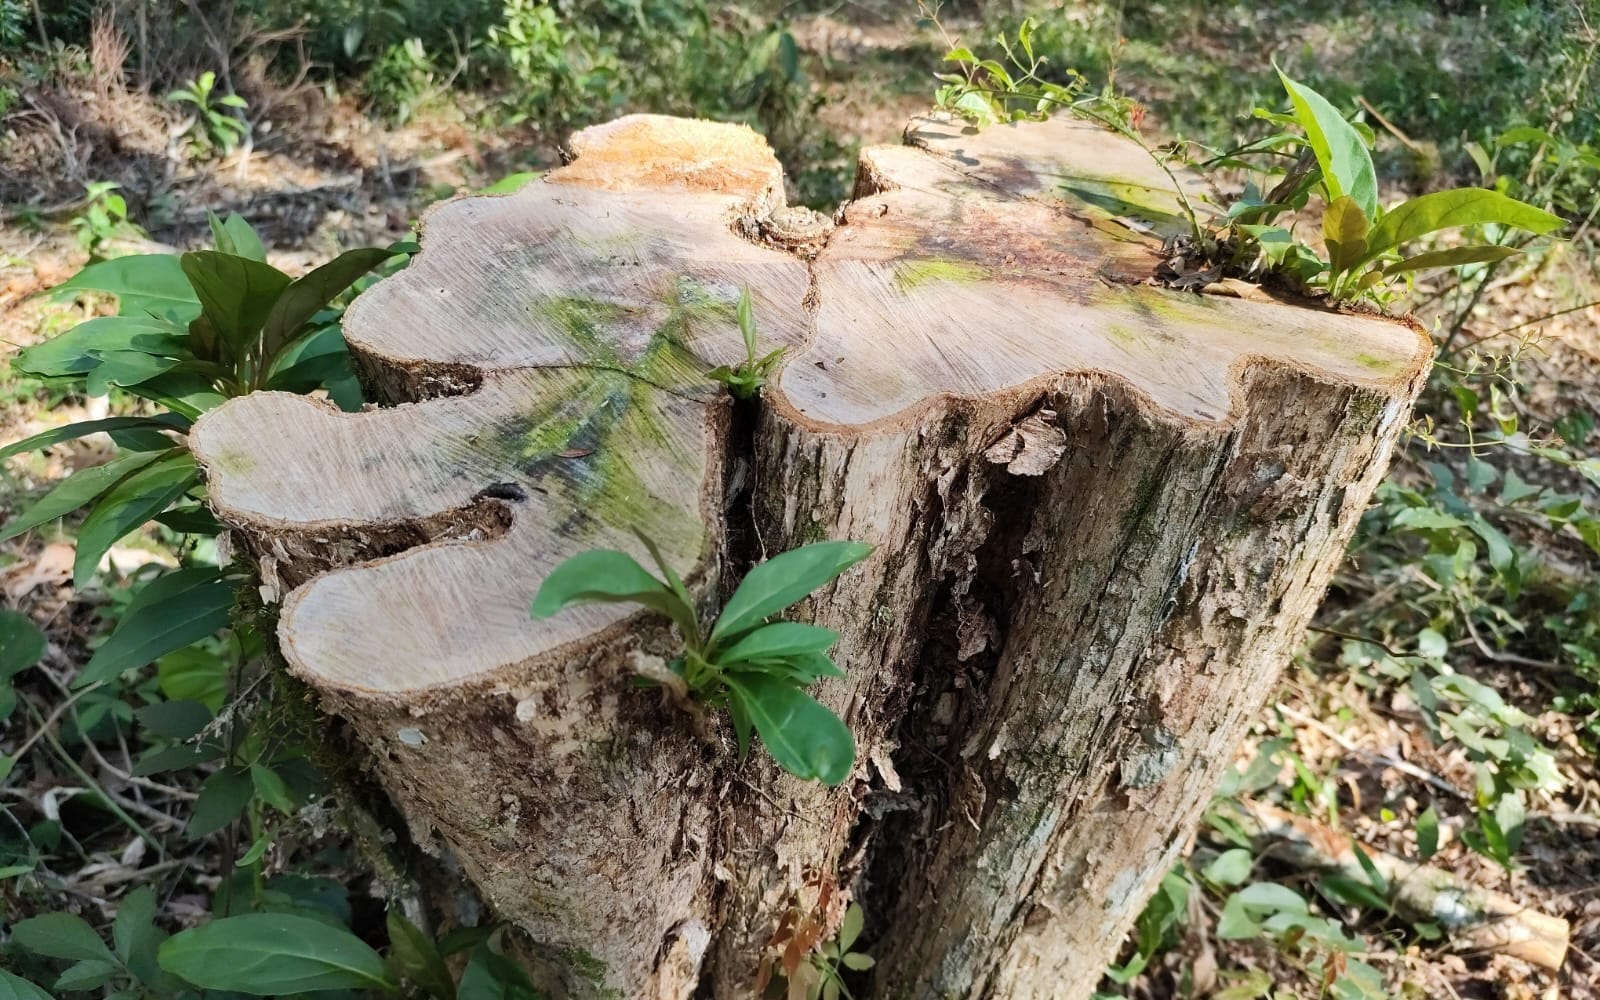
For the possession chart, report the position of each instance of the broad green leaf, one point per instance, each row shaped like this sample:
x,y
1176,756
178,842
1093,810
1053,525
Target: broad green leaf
x,y
129,504
418,958
674,581
318,359
175,758
21,643
195,519
273,954
271,789
781,581
125,368
1236,922
83,348
75,491
235,236
69,432
1427,519
811,666
223,797
1340,150
850,927
174,720
747,322
255,853
305,296
136,936
144,284
1428,833
194,673
1440,210
61,935
778,640
238,294
186,393
492,976
1509,815
168,613
464,938
1454,257
1344,229
801,734
1231,867
1275,241
16,988
86,975
1272,897
606,576
1524,134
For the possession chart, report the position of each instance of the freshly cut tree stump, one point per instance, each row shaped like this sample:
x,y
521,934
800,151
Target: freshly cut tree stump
x,y
1104,512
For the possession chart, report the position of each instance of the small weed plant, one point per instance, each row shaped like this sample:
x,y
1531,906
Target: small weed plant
x,y
104,218
214,126
813,972
756,668
745,379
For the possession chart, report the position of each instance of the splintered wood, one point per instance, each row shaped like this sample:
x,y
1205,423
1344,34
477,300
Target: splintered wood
x,y
1104,512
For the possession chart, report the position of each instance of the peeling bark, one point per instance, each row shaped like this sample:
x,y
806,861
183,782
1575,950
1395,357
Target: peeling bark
x,y
1103,513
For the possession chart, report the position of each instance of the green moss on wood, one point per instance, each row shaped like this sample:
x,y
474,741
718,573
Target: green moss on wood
x,y
910,275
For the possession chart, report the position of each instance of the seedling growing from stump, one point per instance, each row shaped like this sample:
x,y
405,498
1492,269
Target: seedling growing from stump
x,y
758,669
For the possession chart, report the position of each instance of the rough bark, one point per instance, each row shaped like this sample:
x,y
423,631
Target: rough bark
x,y
1103,512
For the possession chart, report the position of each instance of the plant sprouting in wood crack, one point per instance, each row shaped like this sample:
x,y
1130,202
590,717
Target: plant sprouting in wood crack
x,y
746,378
756,668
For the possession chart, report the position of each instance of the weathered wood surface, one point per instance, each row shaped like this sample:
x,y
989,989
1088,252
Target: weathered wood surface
x,y
1104,512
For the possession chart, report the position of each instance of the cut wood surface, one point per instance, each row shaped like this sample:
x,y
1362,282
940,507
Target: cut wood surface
x,y
1104,512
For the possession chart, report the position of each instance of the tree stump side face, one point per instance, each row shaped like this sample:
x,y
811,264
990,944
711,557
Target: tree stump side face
x,y
970,351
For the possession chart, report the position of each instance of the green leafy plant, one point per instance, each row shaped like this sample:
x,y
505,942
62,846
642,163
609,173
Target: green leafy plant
x,y
746,378
274,954
401,80
1365,241
293,949
192,330
21,646
130,967
1156,929
1316,152
104,217
756,668
819,974
214,126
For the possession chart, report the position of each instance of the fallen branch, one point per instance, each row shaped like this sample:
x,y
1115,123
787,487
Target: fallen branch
x,y
1476,918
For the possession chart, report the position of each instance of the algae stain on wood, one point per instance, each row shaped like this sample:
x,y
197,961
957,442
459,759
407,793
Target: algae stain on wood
x,y
909,275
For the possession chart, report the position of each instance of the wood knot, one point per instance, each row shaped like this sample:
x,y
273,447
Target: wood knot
x,y
795,229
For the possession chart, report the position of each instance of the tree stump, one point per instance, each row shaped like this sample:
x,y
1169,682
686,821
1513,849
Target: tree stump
x,y
1104,512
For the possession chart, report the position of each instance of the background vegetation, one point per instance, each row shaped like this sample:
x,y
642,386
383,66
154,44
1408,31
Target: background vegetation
x,y
1445,709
